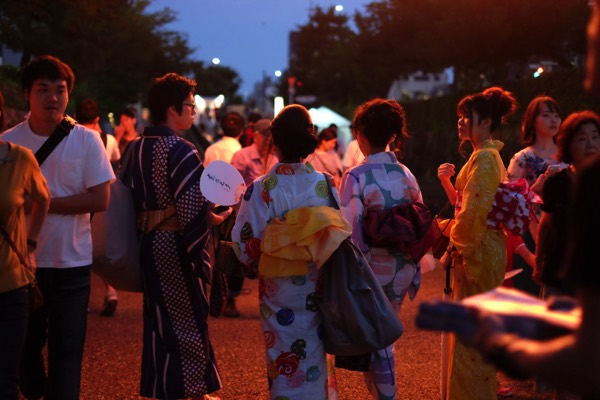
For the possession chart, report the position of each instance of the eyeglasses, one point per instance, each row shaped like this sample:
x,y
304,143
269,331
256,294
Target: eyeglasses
x,y
192,107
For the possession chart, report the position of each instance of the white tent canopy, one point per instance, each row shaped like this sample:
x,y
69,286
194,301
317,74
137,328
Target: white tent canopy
x,y
322,117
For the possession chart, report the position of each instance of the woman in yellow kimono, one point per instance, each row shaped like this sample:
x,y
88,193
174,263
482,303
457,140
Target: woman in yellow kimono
x,y
480,251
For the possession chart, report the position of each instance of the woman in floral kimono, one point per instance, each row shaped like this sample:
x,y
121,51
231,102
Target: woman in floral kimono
x,y
535,163
380,183
480,251
291,203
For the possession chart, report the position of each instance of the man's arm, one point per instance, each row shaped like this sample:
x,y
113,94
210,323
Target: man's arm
x,y
94,199
571,362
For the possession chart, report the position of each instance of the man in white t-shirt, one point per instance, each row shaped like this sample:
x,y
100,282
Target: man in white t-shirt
x,y
78,173
87,114
232,125
353,156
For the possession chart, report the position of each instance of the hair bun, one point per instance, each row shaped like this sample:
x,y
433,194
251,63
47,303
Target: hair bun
x,y
504,101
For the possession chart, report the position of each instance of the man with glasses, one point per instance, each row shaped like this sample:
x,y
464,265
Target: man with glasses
x,y
177,357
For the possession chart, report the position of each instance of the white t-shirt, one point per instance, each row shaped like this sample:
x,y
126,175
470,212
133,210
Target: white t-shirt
x,y
222,150
112,148
353,155
76,164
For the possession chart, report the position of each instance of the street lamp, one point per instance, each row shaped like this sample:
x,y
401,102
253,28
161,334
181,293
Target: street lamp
x,y
278,73
216,61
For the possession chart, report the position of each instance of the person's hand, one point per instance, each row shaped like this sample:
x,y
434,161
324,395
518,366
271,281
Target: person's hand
x,y
538,185
218,218
562,303
445,172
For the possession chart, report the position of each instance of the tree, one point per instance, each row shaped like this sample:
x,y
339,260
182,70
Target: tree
x,y
321,58
215,80
481,39
476,37
115,47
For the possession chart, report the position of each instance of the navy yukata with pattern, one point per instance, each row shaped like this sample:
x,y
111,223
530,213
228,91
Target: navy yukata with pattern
x,y
178,360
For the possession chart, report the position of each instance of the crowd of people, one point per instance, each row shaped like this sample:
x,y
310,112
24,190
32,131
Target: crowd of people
x,y
55,173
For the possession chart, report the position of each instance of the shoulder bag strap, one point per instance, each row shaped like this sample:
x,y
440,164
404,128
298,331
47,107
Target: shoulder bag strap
x,y
333,199
12,245
60,132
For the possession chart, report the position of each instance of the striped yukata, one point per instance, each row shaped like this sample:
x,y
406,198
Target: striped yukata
x,y
178,359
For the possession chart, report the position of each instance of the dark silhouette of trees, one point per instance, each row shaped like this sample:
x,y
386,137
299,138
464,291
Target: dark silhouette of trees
x,y
481,39
115,47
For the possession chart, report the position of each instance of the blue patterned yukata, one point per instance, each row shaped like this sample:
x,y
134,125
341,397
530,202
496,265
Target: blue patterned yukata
x,y
380,183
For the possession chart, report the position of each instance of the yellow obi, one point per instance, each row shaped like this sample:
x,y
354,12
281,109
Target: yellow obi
x,y
306,234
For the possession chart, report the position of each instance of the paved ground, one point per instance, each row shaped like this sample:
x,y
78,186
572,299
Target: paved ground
x,y
111,367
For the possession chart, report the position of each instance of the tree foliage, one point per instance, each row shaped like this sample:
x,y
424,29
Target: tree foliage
x,y
215,80
479,38
322,60
115,47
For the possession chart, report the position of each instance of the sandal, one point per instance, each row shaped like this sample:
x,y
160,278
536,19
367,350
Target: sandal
x,y
110,305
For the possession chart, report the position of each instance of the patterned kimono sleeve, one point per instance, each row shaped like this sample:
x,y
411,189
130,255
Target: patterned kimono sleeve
x,y
185,169
516,167
353,209
413,185
250,225
478,195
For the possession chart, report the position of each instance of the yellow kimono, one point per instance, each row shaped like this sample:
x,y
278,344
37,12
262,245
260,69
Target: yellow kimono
x,y
479,268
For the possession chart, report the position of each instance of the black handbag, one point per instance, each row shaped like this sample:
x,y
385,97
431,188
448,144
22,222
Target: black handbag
x,y
225,259
357,317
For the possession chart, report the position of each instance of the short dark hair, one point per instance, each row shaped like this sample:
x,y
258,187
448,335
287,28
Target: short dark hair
x,y
86,111
569,129
528,135
380,121
293,132
327,134
232,124
169,90
128,112
254,117
46,67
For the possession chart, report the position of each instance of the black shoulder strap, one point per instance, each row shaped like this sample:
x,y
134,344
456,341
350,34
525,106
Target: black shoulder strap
x,y
336,205
60,132
13,246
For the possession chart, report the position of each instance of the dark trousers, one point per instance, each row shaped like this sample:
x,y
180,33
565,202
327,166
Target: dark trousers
x,y
234,286
62,323
14,315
